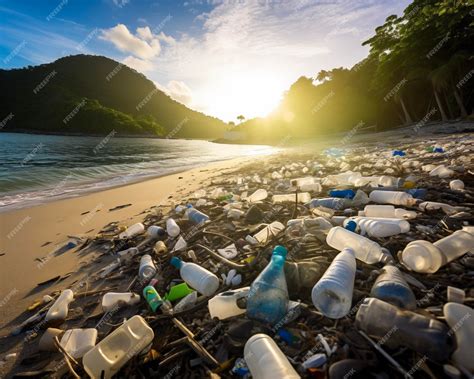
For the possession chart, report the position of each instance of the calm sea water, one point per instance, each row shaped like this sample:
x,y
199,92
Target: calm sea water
x,y
35,168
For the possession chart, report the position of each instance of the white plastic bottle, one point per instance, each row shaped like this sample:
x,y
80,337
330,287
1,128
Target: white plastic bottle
x,y
258,195
303,197
426,257
381,227
392,197
266,233
265,360
155,231
224,305
60,308
456,184
113,299
172,228
387,211
115,350
365,250
78,342
147,268
332,294
235,214
197,277
133,230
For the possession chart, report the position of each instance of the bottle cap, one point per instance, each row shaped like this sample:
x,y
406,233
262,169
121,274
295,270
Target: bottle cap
x,y
176,262
351,226
280,250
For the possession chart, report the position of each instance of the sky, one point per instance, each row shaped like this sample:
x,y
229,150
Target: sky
x,y
221,57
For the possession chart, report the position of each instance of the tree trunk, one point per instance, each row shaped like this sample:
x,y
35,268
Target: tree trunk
x,y
457,96
448,107
408,119
440,106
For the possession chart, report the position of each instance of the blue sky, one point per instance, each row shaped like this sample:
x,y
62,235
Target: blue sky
x,y
223,57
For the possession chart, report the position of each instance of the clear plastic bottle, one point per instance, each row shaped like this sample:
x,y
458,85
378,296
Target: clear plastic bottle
x,y
303,197
388,211
397,327
365,250
265,360
392,197
267,300
147,268
195,216
332,294
391,286
133,230
197,277
225,304
426,257
258,195
172,228
59,310
442,172
156,232
329,202
380,227
264,235
118,299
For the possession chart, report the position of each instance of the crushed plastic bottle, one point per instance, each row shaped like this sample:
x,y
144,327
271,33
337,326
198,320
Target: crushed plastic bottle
x,y
391,286
197,277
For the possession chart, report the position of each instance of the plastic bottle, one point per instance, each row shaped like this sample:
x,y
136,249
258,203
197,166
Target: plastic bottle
x,y
456,184
365,250
417,193
332,294
329,202
147,268
380,227
426,257
433,205
388,211
391,286
301,276
195,216
301,226
133,230
116,299
115,350
225,304
264,235
126,255
442,172
59,310
258,195
397,327
303,197
202,280
78,342
344,194
265,360
186,302
460,318
391,197
235,214
160,248
268,296
152,297
172,228
155,231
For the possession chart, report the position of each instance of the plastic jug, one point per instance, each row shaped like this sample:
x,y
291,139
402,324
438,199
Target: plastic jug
x,y
391,286
202,280
264,235
268,296
456,185
225,304
59,310
156,232
404,328
344,194
332,294
460,318
116,299
392,197
258,195
147,268
133,230
303,197
265,360
78,342
172,228
427,257
365,250
110,354
388,211
195,216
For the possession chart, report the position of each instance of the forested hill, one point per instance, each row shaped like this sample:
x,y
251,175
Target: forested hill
x,y
420,69
95,95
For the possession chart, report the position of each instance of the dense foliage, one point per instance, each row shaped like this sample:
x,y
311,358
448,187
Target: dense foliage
x,y
95,95
419,69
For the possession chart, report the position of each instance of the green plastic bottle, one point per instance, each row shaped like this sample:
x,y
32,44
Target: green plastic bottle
x,y
152,297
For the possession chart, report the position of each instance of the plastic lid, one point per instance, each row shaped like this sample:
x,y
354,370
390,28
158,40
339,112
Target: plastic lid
x,y
176,262
280,250
351,225
422,256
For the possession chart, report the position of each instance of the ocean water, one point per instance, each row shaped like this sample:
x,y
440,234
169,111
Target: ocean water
x,y
36,168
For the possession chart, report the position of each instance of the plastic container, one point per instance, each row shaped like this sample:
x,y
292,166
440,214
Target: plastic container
x,y
115,350
365,250
78,342
156,232
117,299
460,318
329,202
172,228
235,214
225,304
196,217
392,197
344,194
267,300
152,297
202,280
380,227
397,327
388,211
147,268
391,286
426,257
303,197
456,185
265,360
301,226
178,291
133,230
258,195
264,235
127,255
442,172
59,310
332,294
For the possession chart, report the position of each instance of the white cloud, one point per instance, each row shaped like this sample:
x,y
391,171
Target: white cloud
x,y
138,64
145,33
177,90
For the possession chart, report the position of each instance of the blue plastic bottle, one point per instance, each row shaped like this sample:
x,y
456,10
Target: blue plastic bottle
x,y
345,194
267,300
195,216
